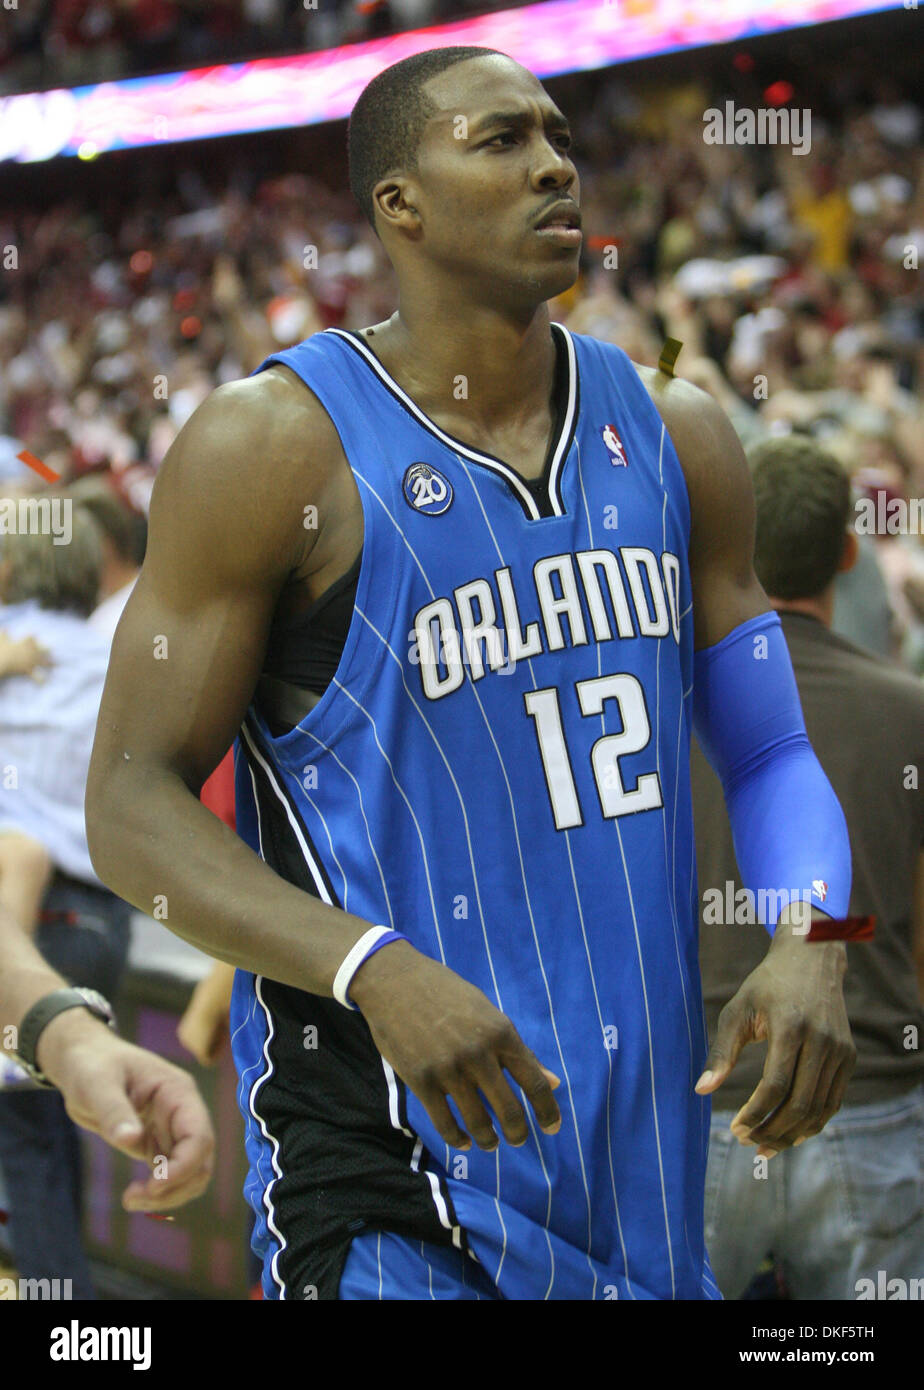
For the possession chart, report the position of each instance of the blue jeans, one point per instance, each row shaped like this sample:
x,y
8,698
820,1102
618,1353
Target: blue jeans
x,y
84,934
843,1206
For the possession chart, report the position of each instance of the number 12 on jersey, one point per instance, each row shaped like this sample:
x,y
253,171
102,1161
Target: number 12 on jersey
x,y
615,799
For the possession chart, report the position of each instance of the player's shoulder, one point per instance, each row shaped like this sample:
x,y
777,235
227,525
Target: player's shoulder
x,y
274,407
260,436
707,446
235,481
692,417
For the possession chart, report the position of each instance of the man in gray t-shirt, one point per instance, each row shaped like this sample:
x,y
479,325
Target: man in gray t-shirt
x,y
843,1214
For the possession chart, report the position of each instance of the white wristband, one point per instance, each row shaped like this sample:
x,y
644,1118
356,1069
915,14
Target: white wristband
x,y
355,958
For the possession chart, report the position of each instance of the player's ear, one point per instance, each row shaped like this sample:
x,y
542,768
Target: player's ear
x,y
394,200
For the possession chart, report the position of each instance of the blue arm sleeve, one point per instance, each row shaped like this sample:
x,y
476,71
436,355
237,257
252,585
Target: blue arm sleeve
x,y
787,824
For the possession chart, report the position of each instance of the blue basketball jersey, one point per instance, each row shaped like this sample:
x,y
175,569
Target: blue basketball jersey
x,y
499,770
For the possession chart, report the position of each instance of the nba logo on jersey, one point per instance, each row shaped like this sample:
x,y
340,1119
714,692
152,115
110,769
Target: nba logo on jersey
x,y
426,489
820,887
614,444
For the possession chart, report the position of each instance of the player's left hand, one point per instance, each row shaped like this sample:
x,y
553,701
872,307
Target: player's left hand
x,y
794,1000
137,1102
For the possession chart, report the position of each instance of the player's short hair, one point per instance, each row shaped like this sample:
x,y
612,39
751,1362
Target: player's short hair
x,y
389,116
65,578
803,506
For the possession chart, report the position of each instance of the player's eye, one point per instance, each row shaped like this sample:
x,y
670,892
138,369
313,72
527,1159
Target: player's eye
x,y
507,137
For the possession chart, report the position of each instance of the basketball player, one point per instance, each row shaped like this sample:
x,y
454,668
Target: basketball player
x,y
457,628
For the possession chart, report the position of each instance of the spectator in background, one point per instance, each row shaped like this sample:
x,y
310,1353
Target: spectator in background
x,y
25,864
46,734
25,871
47,591
123,534
862,611
203,1029
850,1202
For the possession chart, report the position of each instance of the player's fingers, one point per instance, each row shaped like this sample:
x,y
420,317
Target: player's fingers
x,y
732,1032
835,1098
475,1117
824,1054
506,1107
804,1129
444,1121
795,1117
829,1094
773,1087
525,1069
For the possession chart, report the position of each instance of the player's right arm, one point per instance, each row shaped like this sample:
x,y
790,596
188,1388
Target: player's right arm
x,y
226,533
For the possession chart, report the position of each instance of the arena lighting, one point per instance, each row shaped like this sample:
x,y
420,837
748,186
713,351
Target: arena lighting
x,y
272,93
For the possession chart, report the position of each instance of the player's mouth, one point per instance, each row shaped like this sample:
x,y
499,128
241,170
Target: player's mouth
x,y
562,223
560,232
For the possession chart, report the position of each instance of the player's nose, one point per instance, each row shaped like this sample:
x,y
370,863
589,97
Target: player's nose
x,y
553,169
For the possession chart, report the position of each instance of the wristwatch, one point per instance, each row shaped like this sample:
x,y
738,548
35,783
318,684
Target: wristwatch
x,y
41,1014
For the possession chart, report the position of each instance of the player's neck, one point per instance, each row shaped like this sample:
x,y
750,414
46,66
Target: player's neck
x,y
820,607
485,369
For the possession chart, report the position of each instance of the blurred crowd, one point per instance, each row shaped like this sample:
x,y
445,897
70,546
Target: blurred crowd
x,y
67,43
791,281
